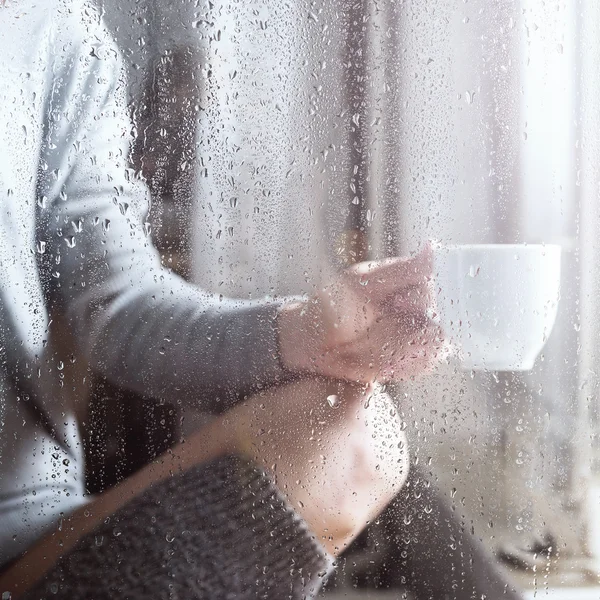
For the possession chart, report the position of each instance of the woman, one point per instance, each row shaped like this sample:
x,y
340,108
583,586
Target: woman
x,y
256,504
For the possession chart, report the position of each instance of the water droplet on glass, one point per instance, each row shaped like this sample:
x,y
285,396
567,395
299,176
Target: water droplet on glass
x,y
474,270
333,400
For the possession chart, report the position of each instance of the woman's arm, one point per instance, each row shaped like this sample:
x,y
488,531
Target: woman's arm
x,y
136,322
145,328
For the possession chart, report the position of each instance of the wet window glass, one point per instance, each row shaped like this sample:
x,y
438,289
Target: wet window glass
x,y
298,299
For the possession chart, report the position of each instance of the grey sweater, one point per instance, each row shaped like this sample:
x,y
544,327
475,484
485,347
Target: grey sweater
x,y
220,531
73,244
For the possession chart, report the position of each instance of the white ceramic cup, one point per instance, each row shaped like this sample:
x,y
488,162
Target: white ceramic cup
x,y
497,303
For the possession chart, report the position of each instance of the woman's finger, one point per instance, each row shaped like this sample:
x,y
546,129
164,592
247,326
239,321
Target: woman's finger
x,y
386,277
417,298
381,355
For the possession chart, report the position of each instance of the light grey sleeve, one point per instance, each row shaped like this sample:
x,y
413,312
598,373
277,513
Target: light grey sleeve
x,y
137,323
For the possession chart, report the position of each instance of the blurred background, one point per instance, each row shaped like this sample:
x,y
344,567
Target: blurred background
x,y
285,140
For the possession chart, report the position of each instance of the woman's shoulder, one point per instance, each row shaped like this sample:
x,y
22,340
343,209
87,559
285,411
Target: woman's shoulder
x,y
77,26
84,55
72,28
70,19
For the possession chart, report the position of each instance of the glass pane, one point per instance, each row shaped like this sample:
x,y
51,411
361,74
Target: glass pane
x,y
329,260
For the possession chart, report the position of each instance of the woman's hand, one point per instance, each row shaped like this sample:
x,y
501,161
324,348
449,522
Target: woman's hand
x,y
371,323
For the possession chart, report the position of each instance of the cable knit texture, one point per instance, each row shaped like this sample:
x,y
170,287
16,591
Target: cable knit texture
x,y
216,531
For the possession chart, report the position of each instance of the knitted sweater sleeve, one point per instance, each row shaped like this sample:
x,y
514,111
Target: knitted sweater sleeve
x,y
221,530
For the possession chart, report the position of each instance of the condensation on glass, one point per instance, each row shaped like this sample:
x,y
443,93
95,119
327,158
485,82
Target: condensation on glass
x,y
283,142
